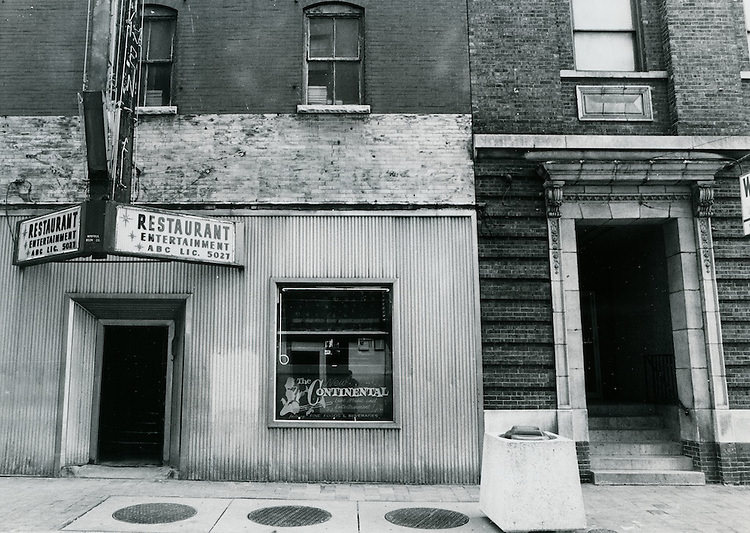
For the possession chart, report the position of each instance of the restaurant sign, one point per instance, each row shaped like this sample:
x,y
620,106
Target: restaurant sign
x,y
124,229
146,232
57,235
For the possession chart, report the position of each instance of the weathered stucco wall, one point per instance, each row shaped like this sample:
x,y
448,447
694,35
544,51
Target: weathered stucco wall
x,y
281,159
46,157
253,159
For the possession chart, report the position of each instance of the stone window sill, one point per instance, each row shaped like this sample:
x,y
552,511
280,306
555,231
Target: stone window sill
x,y
157,110
612,74
745,75
334,109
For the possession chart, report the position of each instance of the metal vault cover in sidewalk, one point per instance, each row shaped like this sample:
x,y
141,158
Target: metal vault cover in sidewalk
x,y
226,515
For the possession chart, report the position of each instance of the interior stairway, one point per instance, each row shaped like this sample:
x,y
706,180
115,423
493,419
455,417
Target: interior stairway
x,y
631,445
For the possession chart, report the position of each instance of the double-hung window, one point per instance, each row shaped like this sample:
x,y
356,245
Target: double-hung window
x,y
333,354
157,56
747,20
604,35
333,66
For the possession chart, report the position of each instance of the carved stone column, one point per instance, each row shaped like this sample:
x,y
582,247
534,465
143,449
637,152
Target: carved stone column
x,y
703,201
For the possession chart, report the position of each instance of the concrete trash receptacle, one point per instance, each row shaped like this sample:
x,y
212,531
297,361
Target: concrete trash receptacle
x,y
530,481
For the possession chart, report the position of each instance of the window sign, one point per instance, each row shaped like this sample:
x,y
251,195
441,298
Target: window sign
x,y
333,359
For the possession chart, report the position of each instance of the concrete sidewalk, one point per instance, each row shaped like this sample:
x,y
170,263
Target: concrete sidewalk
x,y
76,504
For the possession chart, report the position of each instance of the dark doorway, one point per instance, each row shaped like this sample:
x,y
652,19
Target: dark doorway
x,y
625,314
133,390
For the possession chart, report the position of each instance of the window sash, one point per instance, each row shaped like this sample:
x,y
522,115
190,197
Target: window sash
x,y
333,56
338,83
615,51
603,15
156,85
605,36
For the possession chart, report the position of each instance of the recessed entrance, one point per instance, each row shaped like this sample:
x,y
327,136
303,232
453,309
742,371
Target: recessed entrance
x,y
133,415
625,314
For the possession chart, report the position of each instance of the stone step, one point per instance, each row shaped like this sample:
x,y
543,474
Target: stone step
x,y
120,472
629,435
635,448
646,462
647,477
622,409
625,422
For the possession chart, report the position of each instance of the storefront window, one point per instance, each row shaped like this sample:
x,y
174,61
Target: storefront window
x,y
333,360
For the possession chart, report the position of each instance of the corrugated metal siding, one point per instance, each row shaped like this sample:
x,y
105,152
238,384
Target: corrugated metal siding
x,y
229,347
79,389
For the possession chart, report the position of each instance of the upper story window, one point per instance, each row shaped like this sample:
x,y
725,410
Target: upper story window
x,y
157,56
333,65
604,35
747,21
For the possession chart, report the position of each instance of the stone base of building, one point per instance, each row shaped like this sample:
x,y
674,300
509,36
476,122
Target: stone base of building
x,y
721,462
583,451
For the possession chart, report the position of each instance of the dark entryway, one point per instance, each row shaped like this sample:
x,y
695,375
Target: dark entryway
x,y
625,314
133,391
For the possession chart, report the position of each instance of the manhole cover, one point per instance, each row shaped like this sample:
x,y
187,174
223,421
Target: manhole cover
x,y
426,518
154,513
289,516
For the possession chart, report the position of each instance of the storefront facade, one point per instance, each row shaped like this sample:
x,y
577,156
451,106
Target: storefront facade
x,y
391,306
342,342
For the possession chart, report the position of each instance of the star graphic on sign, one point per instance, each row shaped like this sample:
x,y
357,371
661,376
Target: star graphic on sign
x,y
132,236
139,247
24,233
125,217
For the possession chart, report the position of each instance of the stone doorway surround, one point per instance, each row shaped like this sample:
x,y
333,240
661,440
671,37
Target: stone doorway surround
x,y
674,189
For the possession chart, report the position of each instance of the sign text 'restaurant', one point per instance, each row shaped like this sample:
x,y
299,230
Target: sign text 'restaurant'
x,y
149,233
49,235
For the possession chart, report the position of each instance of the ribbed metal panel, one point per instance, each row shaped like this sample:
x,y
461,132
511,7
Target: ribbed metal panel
x,y
78,396
229,347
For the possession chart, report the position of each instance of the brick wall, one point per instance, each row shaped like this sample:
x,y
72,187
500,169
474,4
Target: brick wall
x,y
732,255
583,453
241,56
518,49
706,90
705,456
727,463
42,47
247,57
515,65
517,343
